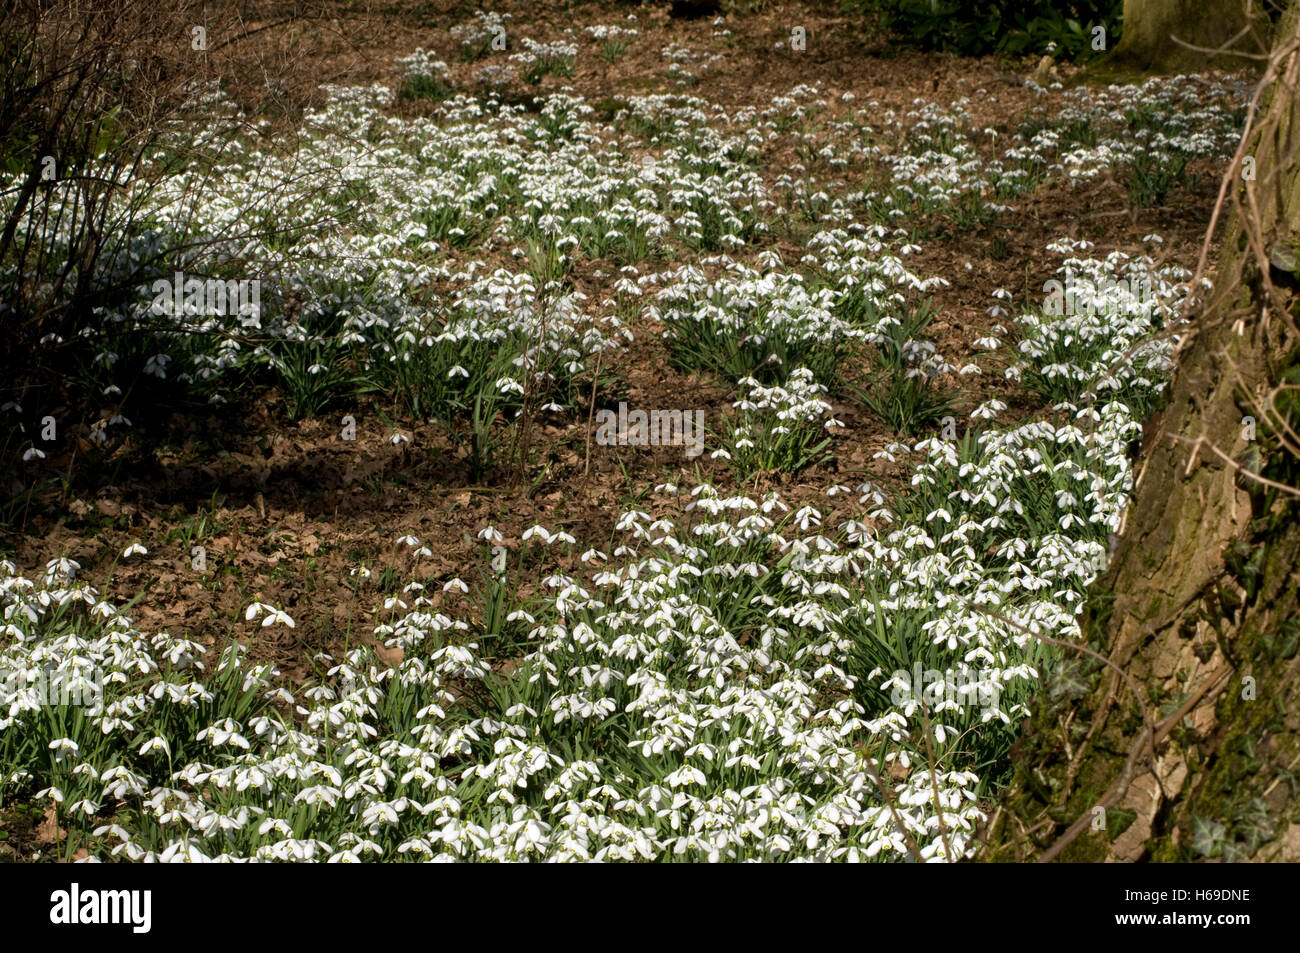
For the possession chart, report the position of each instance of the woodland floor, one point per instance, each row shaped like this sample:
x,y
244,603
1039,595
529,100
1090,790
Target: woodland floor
x,y
285,510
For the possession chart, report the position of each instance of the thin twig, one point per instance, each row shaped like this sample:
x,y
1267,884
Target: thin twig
x,y
591,412
1121,785
1201,441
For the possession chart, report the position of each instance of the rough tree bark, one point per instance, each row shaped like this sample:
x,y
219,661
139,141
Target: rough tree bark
x,y
1146,42
1201,605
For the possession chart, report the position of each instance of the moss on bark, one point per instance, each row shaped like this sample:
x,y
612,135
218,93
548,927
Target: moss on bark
x,y
1200,608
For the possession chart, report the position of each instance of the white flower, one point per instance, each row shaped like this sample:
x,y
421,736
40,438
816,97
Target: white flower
x,y
538,530
64,748
157,743
273,615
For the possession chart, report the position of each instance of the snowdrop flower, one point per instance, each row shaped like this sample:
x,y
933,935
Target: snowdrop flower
x,y
988,410
273,615
135,549
61,568
64,748
157,743
156,366
255,609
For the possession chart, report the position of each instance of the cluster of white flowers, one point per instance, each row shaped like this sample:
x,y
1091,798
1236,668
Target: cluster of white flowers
x,y
858,285
685,65
495,75
538,59
610,33
555,50
1089,338
719,686
476,36
748,701
776,425
1099,129
423,64
741,694
796,402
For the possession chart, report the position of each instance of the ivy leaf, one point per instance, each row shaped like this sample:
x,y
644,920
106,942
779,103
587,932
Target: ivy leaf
x,y
1207,836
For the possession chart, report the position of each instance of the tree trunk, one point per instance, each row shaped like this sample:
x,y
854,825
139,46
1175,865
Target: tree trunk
x,y
1146,42
1201,607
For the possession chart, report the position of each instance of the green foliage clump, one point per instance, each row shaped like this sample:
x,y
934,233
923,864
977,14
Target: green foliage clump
x,y
1015,27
